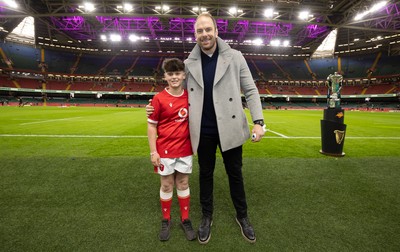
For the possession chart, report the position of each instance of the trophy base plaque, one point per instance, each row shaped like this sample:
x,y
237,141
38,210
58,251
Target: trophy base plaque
x,y
333,132
332,154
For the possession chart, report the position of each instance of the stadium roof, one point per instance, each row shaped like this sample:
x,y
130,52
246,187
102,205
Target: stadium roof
x,y
166,27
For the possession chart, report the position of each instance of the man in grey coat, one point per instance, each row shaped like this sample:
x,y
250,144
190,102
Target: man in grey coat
x,y
216,75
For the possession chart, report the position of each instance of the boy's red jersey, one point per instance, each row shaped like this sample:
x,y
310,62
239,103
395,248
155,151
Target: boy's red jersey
x,y
171,114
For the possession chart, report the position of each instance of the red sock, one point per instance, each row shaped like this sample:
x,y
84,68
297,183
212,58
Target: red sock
x,y
166,202
184,203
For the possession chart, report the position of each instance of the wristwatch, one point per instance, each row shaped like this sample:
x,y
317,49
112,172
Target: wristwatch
x,y
259,122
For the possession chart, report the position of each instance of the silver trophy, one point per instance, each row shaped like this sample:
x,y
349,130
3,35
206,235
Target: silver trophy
x,y
334,82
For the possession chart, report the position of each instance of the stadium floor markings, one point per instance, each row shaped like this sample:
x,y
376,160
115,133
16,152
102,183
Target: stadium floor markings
x,y
53,120
25,119
68,136
276,133
30,119
110,136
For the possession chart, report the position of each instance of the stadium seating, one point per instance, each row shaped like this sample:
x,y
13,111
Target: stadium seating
x,y
92,64
60,61
387,65
22,57
296,69
381,89
357,67
90,71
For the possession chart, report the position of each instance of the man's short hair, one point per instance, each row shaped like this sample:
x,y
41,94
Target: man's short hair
x,y
206,14
173,65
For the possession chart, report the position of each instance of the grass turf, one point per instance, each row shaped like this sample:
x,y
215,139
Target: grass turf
x,y
78,179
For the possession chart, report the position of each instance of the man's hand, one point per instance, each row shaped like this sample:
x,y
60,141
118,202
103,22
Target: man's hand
x,y
258,132
149,108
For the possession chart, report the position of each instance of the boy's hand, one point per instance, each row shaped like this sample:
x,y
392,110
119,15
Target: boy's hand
x,y
155,159
149,108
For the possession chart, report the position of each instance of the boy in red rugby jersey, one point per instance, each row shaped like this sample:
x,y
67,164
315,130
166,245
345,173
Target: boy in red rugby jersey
x,y
170,147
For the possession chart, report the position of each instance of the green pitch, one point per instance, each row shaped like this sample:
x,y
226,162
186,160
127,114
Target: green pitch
x,y
80,179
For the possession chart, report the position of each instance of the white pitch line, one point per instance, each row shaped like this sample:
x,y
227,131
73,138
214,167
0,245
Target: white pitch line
x,y
347,137
23,119
389,138
54,120
276,133
68,136
105,136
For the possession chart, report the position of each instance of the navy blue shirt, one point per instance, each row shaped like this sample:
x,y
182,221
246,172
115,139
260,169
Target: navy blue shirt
x,y
208,119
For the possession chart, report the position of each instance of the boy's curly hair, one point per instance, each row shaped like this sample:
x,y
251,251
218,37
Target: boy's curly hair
x,y
173,65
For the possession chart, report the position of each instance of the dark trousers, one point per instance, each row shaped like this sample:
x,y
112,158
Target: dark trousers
x,y
233,167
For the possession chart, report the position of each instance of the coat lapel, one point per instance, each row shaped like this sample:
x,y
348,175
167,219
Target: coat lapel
x,y
193,64
223,61
222,66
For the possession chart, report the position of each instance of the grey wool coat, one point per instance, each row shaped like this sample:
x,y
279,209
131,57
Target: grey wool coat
x,y
232,77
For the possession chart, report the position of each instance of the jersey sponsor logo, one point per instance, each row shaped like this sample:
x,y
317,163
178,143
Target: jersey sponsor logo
x,y
183,114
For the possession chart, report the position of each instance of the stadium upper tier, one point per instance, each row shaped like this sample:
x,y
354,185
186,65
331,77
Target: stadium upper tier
x,y
65,70
135,85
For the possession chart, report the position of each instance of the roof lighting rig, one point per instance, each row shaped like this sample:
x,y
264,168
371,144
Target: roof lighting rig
x,y
275,27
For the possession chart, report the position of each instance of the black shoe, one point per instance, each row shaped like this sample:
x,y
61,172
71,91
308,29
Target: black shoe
x,y
204,233
187,228
164,232
247,229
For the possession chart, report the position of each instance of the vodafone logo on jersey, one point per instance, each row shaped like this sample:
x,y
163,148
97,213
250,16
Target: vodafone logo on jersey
x,y
183,113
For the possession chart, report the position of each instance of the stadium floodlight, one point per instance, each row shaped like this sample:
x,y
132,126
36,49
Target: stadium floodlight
x,y
286,43
103,37
257,41
378,6
275,42
269,13
359,16
303,15
163,8
115,37
199,9
128,7
374,8
89,7
234,11
11,3
133,38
